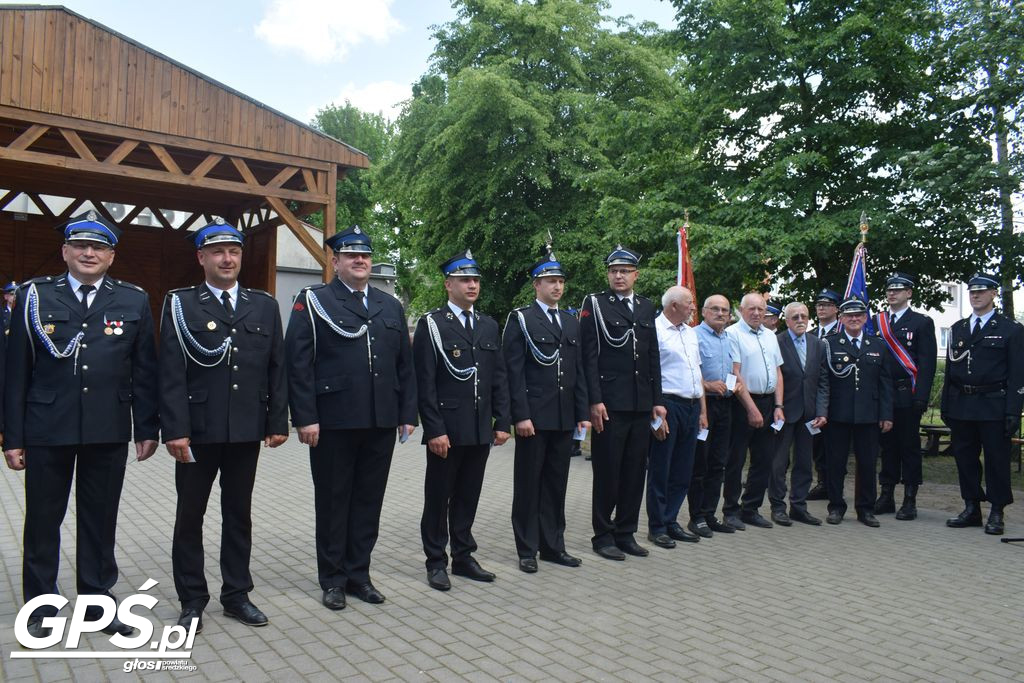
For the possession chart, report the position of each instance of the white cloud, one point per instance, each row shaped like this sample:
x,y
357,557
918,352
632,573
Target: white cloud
x,y
379,97
326,30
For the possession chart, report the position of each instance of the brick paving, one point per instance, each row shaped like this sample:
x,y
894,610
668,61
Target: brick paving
x,y
909,601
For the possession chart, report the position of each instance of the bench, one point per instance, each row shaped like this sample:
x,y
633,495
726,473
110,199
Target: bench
x,y
935,434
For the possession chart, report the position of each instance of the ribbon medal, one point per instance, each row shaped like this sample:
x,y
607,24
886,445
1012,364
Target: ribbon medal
x,y
112,326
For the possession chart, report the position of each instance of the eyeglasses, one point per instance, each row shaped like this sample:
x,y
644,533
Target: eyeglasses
x,y
717,309
621,271
85,246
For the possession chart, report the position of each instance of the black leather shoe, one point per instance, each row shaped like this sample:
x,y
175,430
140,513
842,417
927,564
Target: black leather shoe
x,y
660,540
735,522
438,579
700,527
631,547
334,598
188,615
834,517
886,503
868,519
678,533
818,492
471,569
971,516
719,527
247,613
366,592
36,628
781,518
115,625
994,525
755,519
528,565
563,558
610,552
804,517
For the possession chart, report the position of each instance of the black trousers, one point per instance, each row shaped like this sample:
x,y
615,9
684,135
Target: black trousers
x,y
819,448
901,449
451,492
968,438
540,478
48,474
710,458
794,438
350,470
761,442
865,450
619,460
236,463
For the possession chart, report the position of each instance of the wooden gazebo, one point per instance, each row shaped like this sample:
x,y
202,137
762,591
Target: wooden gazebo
x,y
90,117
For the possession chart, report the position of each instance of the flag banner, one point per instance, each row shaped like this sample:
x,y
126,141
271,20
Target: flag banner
x,y
857,284
684,269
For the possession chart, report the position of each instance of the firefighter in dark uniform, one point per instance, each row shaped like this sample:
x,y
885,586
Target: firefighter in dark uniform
x,y
222,392
910,338
549,402
352,391
860,406
10,294
622,365
464,405
981,402
826,309
81,383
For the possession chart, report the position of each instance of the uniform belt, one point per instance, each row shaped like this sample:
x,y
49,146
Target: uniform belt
x,y
982,388
753,395
681,399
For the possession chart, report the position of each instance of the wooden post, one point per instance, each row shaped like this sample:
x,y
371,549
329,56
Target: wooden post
x,y
330,214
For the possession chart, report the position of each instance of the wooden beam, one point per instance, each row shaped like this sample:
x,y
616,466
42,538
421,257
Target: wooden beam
x,y
245,172
310,179
81,149
25,140
40,204
293,223
206,165
160,152
9,197
123,150
330,213
132,215
98,205
283,176
163,177
160,217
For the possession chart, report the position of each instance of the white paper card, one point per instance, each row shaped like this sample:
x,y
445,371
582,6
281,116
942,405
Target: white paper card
x,y
730,382
580,434
191,458
702,435
656,423
811,428
777,425
403,435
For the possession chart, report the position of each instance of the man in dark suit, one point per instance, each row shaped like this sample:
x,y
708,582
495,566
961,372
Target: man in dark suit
x,y
982,399
622,366
549,401
464,405
10,294
910,338
81,374
826,309
351,389
222,392
804,400
860,406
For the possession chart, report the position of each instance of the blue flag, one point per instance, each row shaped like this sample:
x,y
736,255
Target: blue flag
x,y
857,284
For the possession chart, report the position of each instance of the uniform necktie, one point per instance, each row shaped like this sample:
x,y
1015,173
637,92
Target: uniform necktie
x,y
553,312
469,320
226,298
801,350
84,291
977,325
362,298
856,343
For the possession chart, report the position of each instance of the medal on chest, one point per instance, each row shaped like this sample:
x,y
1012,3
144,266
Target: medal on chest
x,y
110,327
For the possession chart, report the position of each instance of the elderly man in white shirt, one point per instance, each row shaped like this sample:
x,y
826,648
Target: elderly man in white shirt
x,y
670,461
758,407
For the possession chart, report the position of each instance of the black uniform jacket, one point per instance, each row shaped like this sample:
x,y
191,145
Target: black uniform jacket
x,y
96,398
617,376
864,395
337,382
467,411
243,397
553,396
984,371
916,332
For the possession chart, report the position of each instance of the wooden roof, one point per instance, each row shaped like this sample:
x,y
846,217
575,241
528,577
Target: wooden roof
x,y
55,61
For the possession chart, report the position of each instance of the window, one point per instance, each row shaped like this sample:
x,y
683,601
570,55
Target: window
x,y
943,337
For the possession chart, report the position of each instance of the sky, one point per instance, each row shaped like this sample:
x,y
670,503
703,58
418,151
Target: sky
x,y
298,56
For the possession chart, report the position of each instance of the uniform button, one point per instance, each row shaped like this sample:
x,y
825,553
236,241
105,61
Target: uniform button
x,y
85,367
85,325
375,356
85,390
234,387
85,346
326,387
234,367
234,331
234,350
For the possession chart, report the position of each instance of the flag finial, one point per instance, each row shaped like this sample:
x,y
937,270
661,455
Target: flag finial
x,y
863,227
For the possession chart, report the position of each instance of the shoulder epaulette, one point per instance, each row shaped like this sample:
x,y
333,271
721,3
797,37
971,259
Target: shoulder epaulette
x,y
259,291
42,279
641,296
128,285
311,287
181,289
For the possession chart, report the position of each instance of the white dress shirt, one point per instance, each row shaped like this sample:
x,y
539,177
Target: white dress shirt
x,y
76,285
459,313
680,359
974,318
232,293
759,354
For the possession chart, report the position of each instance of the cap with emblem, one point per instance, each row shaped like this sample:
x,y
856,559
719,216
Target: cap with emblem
x,y
773,310
853,305
621,256
461,265
827,296
91,227
981,282
547,267
217,232
900,281
354,240
10,287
